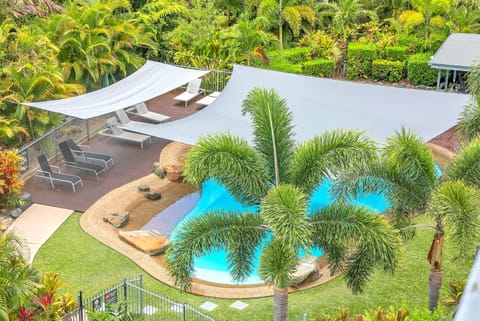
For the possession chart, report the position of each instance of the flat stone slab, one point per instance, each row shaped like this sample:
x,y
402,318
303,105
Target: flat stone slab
x,y
239,305
209,306
150,241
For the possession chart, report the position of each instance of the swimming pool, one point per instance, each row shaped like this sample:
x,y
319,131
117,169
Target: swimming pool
x,y
215,197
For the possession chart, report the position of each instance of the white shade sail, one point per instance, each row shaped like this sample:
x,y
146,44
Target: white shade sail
x,y
151,80
317,105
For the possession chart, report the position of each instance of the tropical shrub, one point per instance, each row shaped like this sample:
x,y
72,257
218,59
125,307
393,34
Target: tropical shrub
x,y
413,44
396,53
297,55
322,44
387,70
360,57
319,67
10,183
419,72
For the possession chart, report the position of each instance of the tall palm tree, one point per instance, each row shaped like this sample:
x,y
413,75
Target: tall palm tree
x,y
406,174
18,279
280,177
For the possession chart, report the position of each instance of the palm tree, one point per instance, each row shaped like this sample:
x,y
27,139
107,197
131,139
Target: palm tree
x,y
406,174
18,279
282,13
345,15
280,177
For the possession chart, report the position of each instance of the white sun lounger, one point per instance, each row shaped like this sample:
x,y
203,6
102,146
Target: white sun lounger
x,y
142,111
114,131
207,100
193,90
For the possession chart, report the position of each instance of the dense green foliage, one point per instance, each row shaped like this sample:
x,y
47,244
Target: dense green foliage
x,y
396,53
360,57
387,70
319,67
419,72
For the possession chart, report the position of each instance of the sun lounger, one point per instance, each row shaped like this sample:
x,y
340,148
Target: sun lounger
x,y
89,156
142,111
193,90
207,100
116,132
70,161
46,172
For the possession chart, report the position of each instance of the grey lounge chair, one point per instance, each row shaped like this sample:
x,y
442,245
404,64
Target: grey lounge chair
x,y
70,161
87,155
142,111
46,172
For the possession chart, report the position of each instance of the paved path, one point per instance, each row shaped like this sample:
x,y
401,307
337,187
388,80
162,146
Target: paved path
x,y
37,224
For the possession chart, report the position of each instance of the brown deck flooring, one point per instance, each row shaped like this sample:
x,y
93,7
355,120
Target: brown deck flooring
x,y
130,163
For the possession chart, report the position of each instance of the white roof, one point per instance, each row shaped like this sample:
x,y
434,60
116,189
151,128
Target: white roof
x,y
151,80
317,105
460,52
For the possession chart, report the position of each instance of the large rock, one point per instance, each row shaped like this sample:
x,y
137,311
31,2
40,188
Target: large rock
x,y
308,270
118,220
5,222
174,172
150,242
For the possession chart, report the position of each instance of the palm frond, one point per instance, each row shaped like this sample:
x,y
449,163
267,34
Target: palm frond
x,y
329,154
272,129
232,162
284,210
357,240
277,262
468,125
408,153
456,204
240,235
466,166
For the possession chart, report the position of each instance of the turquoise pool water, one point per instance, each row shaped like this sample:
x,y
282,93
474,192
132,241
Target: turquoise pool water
x,y
214,196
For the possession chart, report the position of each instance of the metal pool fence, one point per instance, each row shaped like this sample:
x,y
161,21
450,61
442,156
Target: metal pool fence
x,y
141,303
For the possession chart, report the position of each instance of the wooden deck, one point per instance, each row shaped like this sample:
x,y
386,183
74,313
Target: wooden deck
x,y
130,163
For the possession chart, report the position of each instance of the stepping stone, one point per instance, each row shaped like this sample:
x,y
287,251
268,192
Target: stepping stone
x,y
150,242
209,306
239,305
149,310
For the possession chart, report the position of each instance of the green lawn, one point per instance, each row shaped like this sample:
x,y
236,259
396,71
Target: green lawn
x,y
90,266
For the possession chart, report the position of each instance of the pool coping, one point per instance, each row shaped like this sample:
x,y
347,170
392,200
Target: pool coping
x,y
127,196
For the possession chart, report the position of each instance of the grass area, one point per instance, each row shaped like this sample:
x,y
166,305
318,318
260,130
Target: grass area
x,y
90,266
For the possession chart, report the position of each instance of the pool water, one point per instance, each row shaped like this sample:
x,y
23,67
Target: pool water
x,y
213,267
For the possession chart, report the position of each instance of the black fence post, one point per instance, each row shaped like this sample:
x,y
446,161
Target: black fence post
x,y
125,289
184,306
80,306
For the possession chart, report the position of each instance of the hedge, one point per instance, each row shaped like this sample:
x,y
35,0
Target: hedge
x,y
360,57
387,70
396,53
292,55
287,67
319,67
419,72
